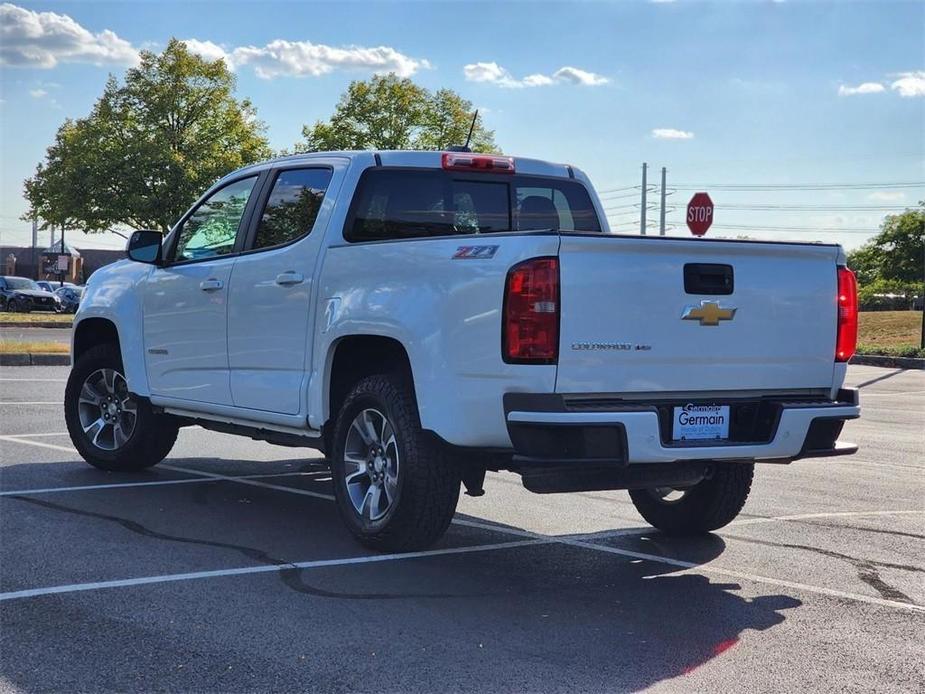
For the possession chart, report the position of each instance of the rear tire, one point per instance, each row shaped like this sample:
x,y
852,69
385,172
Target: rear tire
x,y
378,444
110,428
708,505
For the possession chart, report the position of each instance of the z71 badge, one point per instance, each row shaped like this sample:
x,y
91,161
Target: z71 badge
x,y
475,252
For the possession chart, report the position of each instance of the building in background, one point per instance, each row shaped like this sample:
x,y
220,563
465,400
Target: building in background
x,y
85,263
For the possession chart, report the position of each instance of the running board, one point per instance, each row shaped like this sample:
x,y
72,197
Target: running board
x,y
278,434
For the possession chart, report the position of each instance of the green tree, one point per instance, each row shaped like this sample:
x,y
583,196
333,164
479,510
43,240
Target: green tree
x,y
149,147
896,253
387,112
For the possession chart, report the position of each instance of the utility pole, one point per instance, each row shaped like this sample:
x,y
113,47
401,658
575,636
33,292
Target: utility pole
x,y
642,211
35,241
63,273
661,220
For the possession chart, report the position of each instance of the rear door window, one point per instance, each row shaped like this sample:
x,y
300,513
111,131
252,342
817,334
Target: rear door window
x,y
405,203
292,206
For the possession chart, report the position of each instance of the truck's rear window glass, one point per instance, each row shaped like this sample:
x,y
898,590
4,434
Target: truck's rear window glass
x,y
396,204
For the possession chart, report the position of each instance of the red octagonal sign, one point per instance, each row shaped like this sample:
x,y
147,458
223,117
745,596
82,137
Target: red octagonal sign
x,y
699,214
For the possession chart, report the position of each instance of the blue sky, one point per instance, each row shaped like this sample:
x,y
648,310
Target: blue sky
x,y
764,93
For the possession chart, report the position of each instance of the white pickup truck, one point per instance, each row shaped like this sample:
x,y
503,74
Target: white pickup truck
x,y
422,317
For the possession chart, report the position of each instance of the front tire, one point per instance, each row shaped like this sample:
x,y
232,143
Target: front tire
x,y
708,505
111,428
396,488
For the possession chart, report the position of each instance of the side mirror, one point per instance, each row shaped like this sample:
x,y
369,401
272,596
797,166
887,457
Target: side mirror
x,y
144,246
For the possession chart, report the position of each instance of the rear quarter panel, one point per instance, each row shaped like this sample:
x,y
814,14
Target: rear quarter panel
x,y
446,312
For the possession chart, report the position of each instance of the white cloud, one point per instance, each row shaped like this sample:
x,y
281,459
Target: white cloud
x,y
300,58
492,73
887,195
43,39
37,93
577,76
910,84
863,88
672,134
537,80
207,50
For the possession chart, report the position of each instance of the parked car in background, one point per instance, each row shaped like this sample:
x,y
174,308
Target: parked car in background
x,y
23,295
53,286
70,297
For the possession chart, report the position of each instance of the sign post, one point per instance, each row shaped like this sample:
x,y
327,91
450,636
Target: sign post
x,y
699,214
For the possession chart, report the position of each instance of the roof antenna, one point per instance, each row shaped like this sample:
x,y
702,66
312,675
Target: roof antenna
x,y
465,147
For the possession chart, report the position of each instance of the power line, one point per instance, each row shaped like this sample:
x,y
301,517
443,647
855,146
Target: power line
x,y
823,208
820,230
617,190
798,186
608,198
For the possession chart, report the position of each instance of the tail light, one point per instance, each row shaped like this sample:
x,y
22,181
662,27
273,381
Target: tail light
x,y
460,161
531,313
847,337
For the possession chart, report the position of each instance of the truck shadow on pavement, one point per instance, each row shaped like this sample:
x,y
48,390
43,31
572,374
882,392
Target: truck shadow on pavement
x,y
542,617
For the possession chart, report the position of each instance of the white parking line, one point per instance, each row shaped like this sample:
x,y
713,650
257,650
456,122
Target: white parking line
x,y
252,483
754,578
532,539
33,403
34,380
691,567
40,444
153,483
263,568
832,514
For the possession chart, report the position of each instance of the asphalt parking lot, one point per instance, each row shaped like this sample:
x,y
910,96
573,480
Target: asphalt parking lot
x,y
226,569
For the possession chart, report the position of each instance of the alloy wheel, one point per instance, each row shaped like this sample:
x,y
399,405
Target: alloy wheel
x,y
107,411
371,464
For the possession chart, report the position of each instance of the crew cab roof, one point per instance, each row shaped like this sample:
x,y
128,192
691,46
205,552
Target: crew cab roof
x,y
409,158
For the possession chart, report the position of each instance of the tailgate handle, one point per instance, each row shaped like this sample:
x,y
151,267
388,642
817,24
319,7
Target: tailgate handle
x,y
708,278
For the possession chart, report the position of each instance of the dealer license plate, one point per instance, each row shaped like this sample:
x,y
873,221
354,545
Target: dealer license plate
x,y
700,423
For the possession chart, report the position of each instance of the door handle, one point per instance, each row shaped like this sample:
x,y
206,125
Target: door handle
x,y
285,279
211,285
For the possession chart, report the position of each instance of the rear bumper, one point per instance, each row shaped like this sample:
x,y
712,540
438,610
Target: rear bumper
x,y
544,431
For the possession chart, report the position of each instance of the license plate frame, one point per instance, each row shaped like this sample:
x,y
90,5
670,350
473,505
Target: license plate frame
x,y
700,422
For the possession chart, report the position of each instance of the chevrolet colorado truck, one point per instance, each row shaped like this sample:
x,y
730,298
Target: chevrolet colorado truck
x,y
423,317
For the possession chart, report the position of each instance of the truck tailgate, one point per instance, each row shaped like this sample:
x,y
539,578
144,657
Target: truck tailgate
x,y
623,300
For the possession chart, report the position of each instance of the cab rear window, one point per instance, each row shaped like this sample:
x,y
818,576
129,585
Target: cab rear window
x,y
403,203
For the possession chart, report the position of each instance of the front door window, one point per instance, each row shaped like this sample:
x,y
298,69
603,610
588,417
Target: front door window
x,y
212,228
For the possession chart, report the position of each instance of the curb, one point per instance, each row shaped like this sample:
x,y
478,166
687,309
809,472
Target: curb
x,y
39,324
891,362
35,359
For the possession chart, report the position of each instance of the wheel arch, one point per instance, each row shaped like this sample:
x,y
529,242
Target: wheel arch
x,y
91,332
353,357
94,330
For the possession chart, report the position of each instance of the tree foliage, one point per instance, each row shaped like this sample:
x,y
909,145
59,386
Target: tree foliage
x,y
896,253
387,112
149,147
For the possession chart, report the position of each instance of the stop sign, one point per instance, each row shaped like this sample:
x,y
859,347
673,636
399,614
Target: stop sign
x,y
699,214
